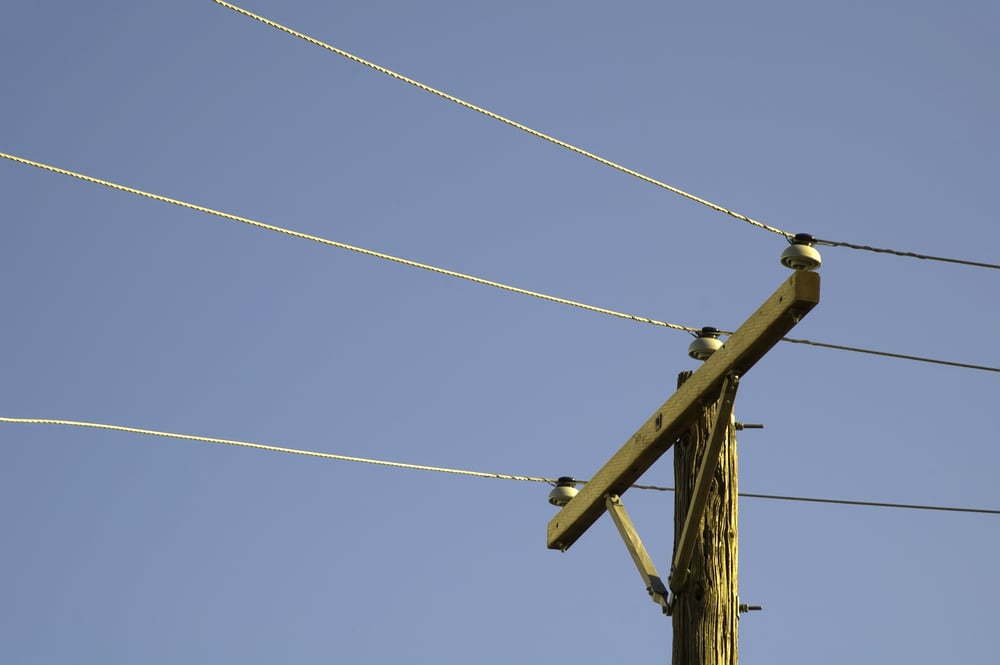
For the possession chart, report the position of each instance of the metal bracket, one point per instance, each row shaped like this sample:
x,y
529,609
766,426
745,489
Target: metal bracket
x,y
654,584
680,570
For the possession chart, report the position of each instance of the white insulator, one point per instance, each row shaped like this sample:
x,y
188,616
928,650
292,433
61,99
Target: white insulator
x,y
564,490
705,344
801,255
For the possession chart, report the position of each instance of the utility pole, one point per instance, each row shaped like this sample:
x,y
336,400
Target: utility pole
x,y
705,613
701,592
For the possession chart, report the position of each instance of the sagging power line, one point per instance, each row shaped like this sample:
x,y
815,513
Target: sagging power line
x,y
341,245
459,472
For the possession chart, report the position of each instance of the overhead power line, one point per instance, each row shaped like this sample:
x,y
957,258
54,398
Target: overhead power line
x,y
912,255
273,449
506,121
340,245
461,472
450,273
874,504
581,151
887,354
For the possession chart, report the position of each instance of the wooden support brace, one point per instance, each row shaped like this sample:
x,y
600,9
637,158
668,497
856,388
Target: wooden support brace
x,y
654,585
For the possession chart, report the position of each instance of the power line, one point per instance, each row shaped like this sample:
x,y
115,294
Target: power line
x,y
887,354
884,354
274,449
842,502
876,504
452,273
506,121
581,151
462,472
912,255
340,245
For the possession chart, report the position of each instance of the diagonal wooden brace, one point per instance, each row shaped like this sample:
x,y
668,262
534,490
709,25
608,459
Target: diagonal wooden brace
x,y
654,585
684,548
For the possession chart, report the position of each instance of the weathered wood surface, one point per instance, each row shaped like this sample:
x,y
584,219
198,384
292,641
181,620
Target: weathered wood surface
x,y
706,612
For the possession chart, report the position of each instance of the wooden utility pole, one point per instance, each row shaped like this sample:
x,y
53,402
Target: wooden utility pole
x,y
706,610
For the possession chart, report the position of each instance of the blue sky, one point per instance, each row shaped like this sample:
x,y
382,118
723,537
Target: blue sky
x,y
860,123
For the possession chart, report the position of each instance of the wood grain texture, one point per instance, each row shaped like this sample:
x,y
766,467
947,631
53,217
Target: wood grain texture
x,y
704,482
765,327
706,611
655,587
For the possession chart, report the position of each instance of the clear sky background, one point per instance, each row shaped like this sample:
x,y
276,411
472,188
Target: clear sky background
x,y
872,123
